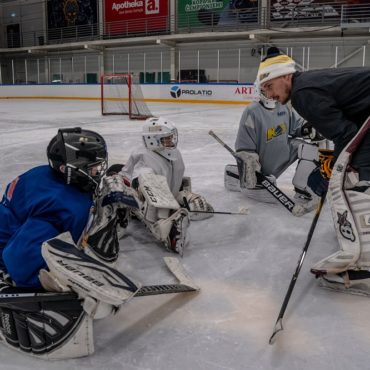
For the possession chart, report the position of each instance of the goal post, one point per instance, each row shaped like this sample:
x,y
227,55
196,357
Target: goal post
x,y
122,94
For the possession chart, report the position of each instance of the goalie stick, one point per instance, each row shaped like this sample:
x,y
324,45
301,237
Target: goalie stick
x,y
269,186
185,284
279,322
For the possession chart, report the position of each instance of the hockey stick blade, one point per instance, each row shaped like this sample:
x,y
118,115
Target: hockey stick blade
x,y
185,284
278,328
175,266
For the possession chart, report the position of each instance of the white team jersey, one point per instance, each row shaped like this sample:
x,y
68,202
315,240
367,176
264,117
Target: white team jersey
x,y
143,160
267,132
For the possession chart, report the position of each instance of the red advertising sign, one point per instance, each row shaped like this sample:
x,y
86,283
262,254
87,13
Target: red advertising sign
x,y
135,16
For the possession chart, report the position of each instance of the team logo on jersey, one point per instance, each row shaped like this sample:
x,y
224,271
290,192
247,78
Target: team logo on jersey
x,y
345,227
175,92
273,132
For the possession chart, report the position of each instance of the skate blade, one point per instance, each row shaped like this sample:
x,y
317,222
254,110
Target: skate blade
x,y
339,287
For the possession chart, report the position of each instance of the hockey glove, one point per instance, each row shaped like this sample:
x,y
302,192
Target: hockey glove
x,y
248,163
115,191
326,159
319,178
309,132
317,182
198,207
114,169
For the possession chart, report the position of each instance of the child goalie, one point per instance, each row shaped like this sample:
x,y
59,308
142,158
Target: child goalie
x,y
156,173
50,289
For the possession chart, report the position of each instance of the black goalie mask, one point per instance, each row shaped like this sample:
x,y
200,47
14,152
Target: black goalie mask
x,y
83,154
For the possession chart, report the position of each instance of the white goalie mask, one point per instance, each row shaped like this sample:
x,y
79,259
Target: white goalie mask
x,y
259,96
160,135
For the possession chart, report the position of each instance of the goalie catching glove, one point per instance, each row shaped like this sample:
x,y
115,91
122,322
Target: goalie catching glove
x,y
198,207
248,163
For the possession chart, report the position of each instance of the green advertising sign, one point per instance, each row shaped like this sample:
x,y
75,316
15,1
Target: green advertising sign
x,y
200,13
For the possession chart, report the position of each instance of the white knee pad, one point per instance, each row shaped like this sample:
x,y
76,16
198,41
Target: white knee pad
x,y
308,158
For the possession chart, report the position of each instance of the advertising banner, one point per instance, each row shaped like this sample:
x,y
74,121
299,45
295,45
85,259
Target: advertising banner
x,y
305,9
66,13
207,93
195,13
240,94
135,16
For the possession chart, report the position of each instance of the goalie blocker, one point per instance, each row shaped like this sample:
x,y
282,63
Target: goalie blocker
x,y
54,328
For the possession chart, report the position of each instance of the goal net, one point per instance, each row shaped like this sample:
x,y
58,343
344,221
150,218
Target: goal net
x,y
121,94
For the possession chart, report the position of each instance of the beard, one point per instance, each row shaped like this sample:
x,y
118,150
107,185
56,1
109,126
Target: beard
x,y
285,99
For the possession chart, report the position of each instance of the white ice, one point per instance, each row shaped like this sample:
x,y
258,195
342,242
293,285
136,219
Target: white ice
x,y
243,264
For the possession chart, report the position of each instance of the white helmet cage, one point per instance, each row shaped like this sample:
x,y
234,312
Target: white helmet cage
x,y
160,135
261,97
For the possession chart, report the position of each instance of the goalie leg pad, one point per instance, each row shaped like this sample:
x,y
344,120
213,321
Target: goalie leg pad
x,y
308,158
156,191
346,227
47,329
84,274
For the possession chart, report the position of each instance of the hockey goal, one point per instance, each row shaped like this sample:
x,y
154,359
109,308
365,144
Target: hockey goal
x,y
121,94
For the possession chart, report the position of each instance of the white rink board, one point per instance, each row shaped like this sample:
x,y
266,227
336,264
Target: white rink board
x,y
192,93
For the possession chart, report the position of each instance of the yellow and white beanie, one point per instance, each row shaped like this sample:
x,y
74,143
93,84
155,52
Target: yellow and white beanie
x,y
277,66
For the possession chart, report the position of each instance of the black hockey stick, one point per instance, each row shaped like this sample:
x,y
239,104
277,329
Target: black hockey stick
x,y
262,179
279,322
185,285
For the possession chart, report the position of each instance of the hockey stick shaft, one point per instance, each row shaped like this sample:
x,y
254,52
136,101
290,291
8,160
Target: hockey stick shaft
x,y
279,322
184,285
47,296
220,213
269,186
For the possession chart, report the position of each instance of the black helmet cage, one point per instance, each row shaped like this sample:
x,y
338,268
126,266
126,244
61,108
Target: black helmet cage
x,y
82,152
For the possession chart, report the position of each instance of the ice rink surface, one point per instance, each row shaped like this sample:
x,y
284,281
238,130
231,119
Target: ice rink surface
x,y
243,264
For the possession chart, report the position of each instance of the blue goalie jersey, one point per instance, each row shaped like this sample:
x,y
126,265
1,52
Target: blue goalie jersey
x,y
37,205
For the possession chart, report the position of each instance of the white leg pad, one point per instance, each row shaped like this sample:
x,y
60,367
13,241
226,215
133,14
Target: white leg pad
x,y
307,156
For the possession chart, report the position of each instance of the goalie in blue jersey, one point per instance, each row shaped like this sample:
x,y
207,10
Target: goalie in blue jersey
x,y
57,242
